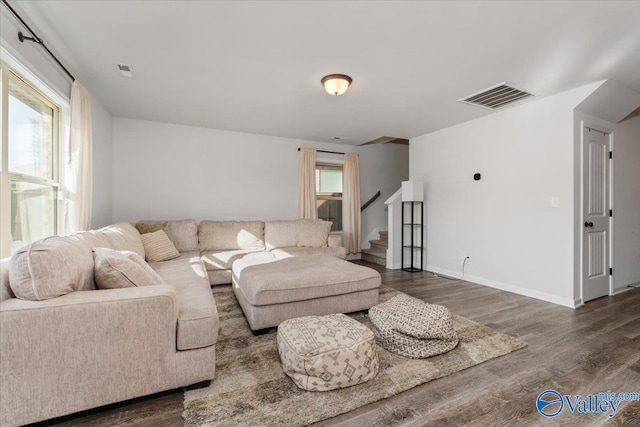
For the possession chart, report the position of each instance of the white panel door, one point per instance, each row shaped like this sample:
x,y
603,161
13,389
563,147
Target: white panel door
x,y
596,233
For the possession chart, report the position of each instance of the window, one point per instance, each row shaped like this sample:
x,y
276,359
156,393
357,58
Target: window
x,y
329,194
29,170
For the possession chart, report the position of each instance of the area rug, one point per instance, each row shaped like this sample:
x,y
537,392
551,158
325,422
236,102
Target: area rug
x,y
250,388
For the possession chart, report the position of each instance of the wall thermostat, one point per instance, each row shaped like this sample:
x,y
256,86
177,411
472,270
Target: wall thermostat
x,y
476,177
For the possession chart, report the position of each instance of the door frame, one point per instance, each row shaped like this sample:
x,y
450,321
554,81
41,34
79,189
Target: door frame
x,y
584,125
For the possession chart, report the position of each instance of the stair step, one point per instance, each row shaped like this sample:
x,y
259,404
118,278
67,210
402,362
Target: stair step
x,y
379,245
375,257
384,235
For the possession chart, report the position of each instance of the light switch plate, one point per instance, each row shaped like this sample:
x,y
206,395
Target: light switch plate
x,y
555,201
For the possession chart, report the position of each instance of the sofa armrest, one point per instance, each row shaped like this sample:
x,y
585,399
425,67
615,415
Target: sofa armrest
x,y
85,349
334,240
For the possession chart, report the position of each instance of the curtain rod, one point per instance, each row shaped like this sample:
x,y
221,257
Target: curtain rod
x,y
323,151
35,38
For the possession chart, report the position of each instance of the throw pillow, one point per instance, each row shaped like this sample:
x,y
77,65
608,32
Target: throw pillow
x,y
150,227
313,232
51,267
122,269
158,246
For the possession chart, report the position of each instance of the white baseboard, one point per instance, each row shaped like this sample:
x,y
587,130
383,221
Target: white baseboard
x,y
624,289
394,266
555,299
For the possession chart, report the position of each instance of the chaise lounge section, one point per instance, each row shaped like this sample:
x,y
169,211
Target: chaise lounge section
x,y
272,291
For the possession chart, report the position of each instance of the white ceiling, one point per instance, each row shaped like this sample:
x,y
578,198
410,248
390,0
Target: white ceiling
x,y
256,66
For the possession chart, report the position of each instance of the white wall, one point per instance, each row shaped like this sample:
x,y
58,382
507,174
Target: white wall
x,y
626,204
167,171
517,241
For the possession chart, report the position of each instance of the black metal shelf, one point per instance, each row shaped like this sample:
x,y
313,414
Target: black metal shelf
x,y
414,244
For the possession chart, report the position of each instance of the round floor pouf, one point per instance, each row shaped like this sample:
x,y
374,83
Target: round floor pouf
x,y
413,328
322,353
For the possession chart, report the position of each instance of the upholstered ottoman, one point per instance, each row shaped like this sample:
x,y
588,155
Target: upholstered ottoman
x,y
322,353
271,291
409,327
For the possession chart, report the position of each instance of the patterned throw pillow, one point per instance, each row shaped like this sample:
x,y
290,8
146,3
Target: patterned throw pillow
x,y
158,246
122,269
145,227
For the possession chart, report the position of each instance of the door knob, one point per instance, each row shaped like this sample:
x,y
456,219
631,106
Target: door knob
x,y
588,224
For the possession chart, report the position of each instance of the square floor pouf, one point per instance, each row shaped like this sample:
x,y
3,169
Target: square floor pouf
x,y
413,328
322,353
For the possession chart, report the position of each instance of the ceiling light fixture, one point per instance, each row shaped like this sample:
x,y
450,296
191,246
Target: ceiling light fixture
x,y
336,84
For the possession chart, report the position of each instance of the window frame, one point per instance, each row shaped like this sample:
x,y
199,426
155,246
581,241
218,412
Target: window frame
x,y
330,196
10,67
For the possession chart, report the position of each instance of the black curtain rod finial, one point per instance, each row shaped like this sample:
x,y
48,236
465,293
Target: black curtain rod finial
x,y
22,38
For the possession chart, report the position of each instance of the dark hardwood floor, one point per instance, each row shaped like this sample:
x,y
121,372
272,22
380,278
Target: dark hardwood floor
x,y
592,349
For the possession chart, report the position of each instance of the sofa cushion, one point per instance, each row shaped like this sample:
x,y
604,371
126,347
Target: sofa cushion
x,y
279,234
337,251
94,239
158,246
122,269
186,269
197,314
123,236
51,267
183,233
223,260
313,232
225,235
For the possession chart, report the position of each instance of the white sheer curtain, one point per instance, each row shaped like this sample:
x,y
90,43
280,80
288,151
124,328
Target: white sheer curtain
x,y
307,206
78,177
351,203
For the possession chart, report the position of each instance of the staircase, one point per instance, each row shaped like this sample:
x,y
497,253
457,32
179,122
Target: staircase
x,y
378,252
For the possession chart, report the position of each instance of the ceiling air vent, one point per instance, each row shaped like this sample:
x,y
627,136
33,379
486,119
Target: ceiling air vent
x,y
126,70
497,96
387,140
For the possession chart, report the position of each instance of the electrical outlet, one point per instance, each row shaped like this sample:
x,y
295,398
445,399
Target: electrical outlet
x,y
464,255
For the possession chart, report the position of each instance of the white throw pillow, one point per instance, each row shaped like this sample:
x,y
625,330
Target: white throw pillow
x,y
158,246
122,269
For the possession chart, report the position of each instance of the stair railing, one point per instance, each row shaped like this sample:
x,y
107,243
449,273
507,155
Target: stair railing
x,y
371,200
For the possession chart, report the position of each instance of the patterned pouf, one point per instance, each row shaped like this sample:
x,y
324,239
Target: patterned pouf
x,y
409,327
323,353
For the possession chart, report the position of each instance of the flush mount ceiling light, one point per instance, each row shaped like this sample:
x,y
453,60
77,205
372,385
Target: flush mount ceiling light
x,y
336,84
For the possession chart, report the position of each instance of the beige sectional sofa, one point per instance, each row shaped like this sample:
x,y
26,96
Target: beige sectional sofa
x,y
66,346
221,243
